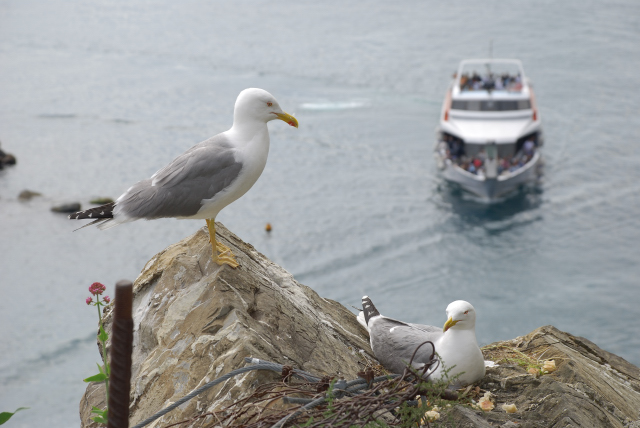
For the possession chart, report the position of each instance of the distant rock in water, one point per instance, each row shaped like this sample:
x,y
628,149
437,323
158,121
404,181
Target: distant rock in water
x,y
6,159
100,201
195,321
70,207
26,195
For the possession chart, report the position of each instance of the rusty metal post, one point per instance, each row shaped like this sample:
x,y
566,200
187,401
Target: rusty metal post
x,y
121,347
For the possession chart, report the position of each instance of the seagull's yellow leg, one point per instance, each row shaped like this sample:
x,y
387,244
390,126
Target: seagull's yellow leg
x,y
226,257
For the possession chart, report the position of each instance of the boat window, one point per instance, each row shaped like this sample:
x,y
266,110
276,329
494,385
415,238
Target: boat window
x,y
490,105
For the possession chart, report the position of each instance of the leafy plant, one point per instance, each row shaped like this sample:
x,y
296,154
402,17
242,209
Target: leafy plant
x,y
5,416
96,290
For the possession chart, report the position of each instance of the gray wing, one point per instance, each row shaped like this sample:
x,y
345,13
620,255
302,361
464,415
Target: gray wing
x,y
394,342
427,328
178,189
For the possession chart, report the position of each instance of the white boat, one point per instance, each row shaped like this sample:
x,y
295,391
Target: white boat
x,y
490,134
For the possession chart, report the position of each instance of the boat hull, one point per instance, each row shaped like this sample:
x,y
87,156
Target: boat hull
x,y
491,189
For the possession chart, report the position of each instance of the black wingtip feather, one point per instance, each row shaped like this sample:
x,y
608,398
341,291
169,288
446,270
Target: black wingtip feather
x,y
103,211
368,309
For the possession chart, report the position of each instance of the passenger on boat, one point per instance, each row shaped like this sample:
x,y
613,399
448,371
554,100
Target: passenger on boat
x,y
503,165
482,155
455,148
516,164
464,79
528,148
515,83
490,82
443,149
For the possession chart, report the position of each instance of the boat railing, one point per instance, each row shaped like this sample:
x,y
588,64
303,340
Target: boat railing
x,y
475,165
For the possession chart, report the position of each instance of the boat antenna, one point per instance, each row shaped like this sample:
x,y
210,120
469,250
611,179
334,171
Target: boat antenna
x,y
490,56
489,75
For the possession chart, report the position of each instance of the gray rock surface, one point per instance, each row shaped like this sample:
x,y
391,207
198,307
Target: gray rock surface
x,y
589,388
196,321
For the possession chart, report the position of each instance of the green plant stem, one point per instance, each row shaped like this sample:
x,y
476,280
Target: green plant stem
x,y
104,353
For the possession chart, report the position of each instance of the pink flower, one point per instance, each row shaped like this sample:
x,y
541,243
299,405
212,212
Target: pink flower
x,y
89,300
96,288
106,299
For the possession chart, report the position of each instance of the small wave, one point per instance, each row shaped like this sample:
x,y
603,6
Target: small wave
x,y
123,121
338,105
57,116
19,371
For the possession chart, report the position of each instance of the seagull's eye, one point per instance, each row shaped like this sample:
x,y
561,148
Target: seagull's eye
x,y
466,312
269,104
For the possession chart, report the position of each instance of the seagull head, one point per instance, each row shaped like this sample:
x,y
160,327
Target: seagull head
x,y
460,316
255,104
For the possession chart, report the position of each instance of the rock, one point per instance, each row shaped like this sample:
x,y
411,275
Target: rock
x,y
590,388
100,201
196,321
70,207
8,159
26,195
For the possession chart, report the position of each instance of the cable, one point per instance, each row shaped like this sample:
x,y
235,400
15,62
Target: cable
x,y
260,366
340,389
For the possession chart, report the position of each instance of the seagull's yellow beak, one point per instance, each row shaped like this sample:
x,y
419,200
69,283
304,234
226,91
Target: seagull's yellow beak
x,y
288,118
450,323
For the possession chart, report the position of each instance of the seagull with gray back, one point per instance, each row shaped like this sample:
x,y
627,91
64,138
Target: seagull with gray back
x,y
394,342
204,179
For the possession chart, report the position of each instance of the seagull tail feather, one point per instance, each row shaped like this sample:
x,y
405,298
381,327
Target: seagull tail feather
x,y
100,215
101,212
368,309
362,322
97,222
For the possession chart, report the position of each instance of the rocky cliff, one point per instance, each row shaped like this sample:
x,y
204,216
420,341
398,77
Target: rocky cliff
x,y
589,387
196,321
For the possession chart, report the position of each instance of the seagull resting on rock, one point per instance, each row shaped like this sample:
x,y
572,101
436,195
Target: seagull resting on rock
x,y
204,179
393,342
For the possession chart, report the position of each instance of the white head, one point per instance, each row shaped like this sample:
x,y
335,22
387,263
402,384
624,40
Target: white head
x,y
258,105
460,316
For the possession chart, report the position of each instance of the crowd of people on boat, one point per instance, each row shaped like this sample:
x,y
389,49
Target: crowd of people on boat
x,y
452,149
505,81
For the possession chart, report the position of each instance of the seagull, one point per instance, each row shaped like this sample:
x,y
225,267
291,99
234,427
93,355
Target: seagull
x,y
393,343
204,179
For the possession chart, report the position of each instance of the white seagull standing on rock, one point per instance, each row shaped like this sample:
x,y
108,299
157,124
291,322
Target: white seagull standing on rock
x,y
204,179
393,343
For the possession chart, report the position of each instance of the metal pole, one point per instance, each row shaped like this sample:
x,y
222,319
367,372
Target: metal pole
x,y
121,347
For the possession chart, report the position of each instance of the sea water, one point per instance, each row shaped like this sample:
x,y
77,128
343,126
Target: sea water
x,y
95,96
